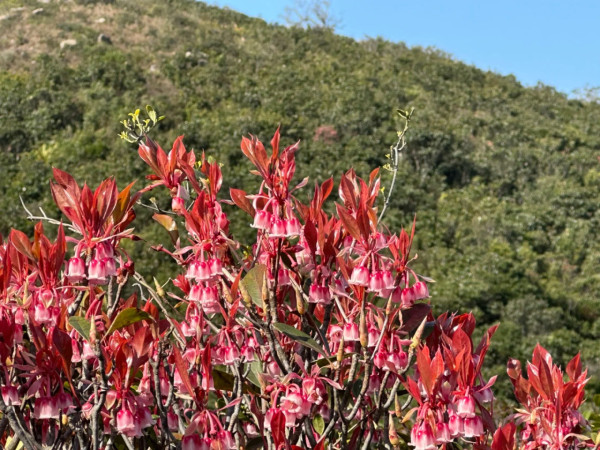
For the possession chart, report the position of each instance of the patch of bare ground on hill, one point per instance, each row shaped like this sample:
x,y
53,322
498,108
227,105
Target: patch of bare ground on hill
x,y
33,28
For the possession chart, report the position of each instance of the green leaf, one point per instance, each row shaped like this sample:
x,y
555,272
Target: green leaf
x,y
127,317
223,381
255,369
253,282
327,360
151,113
299,336
319,424
82,325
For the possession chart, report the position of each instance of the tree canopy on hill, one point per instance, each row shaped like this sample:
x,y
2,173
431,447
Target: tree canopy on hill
x,y
504,179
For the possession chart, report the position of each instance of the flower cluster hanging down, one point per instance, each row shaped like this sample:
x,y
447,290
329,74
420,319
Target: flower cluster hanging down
x,y
320,335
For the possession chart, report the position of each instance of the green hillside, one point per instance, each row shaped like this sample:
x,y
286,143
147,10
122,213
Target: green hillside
x,y
505,179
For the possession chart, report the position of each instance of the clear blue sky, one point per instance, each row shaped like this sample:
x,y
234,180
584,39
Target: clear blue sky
x,y
555,42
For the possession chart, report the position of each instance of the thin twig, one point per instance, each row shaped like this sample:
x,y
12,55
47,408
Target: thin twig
x,y
396,149
46,218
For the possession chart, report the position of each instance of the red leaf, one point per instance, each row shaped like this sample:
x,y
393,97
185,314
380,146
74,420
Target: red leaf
x,y
349,222
347,189
62,343
106,197
239,198
534,379
326,189
574,367
425,369
311,235
504,437
278,429
182,368
364,225
275,144
21,243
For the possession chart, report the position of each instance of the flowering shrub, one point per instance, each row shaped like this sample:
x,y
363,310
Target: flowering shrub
x,y
319,335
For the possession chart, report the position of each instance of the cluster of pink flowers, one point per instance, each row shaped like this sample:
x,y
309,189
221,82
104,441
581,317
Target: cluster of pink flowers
x,y
452,394
301,340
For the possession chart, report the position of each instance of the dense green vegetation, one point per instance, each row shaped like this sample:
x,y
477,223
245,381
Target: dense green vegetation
x,y
504,178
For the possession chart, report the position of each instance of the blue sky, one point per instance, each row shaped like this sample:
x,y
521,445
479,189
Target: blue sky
x,y
555,42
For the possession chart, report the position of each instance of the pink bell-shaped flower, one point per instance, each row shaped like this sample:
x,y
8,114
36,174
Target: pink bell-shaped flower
x,y
225,440
473,426
110,267
465,406
216,267
104,250
420,290
278,229
41,313
335,333
231,355
408,297
191,442
209,299
172,421
145,418
247,353
10,395
75,270
126,422
262,220
422,438
376,282
195,293
203,272
388,279
443,434
360,276
456,425
292,227
63,401
46,408
351,332
319,294
373,336
97,271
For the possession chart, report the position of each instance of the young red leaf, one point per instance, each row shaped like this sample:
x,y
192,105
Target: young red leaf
x,y
574,367
349,222
278,429
21,243
504,437
62,343
182,368
239,198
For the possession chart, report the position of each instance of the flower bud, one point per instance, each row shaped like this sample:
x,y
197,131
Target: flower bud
x,y
364,336
178,205
393,436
